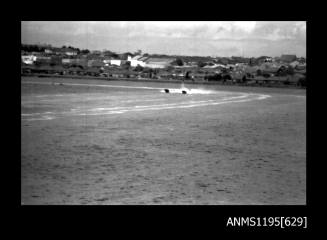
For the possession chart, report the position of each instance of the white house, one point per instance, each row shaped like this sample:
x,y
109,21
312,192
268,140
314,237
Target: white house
x,y
116,62
158,62
49,51
28,59
71,53
137,60
66,61
106,62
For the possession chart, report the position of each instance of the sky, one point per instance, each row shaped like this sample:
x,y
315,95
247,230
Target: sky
x,y
200,38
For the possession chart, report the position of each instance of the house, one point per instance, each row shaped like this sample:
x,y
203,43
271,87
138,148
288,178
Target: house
x,y
107,61
301,60
95,63
158,62
124,56
225,61
64,51
288,58
197,76
80,61
260,60
28,59
96,52
48,51
164,75
239,59
56,60
213,66
43,59
137,60
191,64
67,61
77,61
301,67
294,63
70,52
116,62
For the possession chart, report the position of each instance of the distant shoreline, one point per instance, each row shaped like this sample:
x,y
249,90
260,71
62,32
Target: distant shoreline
x,y
160,81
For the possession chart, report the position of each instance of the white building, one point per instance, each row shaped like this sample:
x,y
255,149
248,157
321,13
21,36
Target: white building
x,y
66,61
28,59
106,62
116,62
137,60
49,51
71,53
158,62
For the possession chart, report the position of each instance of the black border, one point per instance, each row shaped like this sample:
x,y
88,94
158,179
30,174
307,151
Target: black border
x,y
210,218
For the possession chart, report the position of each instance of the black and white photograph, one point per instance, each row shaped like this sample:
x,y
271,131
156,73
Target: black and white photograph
x,y
163,113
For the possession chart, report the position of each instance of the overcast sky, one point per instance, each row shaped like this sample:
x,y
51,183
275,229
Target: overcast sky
x,y
240,38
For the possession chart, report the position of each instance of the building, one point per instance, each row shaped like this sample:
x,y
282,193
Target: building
x,y
288,58
57,60
95,63
48,51
137,60
301,59
261,60
77,61
116,62
106,61
64,51
43,59
158,62
67,61
28,59
124,56
96,52
70,52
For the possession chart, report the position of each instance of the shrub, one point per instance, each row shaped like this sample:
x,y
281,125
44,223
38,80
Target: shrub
x,y
215,77
178,62
227,77
201,64
138,68
290,70
266,75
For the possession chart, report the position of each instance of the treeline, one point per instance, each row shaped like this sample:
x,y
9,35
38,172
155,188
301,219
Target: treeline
x,y
42,48
33,48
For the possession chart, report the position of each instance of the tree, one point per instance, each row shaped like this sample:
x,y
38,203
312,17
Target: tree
x,y
282,71
290,70
179,62
138,52
187,75
138,68
85,51
215,77
201,64
227,77
302,81
126,65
